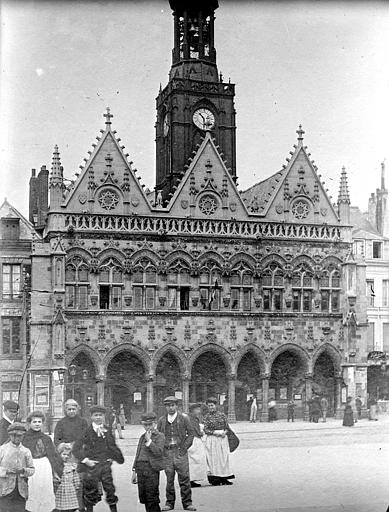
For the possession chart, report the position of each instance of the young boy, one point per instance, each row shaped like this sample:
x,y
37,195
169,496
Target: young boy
x,y
16,465
96,451
149,461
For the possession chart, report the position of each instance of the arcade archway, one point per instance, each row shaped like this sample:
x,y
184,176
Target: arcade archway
x,y
168,381
81,382
323,383
208,378
248,383
126,384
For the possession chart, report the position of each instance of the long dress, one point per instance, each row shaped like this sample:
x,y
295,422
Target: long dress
x,y
217,448
253,411
348,417
41,497
66,496
197,454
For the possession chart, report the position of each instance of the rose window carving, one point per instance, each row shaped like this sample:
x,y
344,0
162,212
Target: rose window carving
x,y
300,209
208,205
108,199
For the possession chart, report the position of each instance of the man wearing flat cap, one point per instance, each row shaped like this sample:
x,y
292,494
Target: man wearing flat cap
x,y
178,438
96,450
149,461
16,465
10,413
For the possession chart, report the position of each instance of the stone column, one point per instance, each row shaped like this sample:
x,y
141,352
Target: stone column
x,y
150,393
338,397
100,384
265,398
308,394
185,393
231,398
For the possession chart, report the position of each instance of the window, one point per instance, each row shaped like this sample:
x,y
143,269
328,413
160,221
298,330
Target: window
x,y
11,281
385,292
110,285
272,288
370,337
330,290
377,249
178,288
302,283
370,292
210,287
10,335
241,284
76,284
144,283
359,247
385,337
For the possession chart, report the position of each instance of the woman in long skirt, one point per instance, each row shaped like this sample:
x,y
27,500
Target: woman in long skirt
x,y
216,444
41,497
348,416
196,453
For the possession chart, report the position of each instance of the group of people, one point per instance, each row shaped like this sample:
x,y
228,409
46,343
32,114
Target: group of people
x,y
70,472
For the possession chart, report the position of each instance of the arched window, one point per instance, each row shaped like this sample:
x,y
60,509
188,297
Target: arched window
x,y
110,285
76,284
210,286
302,288
330,290
178,287
241,285
144,284
272,288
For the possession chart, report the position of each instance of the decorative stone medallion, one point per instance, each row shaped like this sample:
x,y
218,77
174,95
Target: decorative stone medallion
x,y
135,202
279,208
233,207
323,211
184,204
82,198
208,205
108,199
300,209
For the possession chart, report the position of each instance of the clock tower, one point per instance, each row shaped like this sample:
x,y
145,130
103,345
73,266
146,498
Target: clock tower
x,y
196,99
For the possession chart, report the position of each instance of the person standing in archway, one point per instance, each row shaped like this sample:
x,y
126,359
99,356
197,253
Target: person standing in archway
x,y
324,408
253,410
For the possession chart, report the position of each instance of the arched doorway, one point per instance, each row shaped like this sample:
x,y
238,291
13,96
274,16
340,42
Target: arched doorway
x,y
168,381
209,378
248,383
287,381
81,382
126,384
323,383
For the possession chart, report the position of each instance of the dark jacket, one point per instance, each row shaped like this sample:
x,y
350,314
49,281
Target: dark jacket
x,y
69,430
195,422
97,448
155,451
4,424
185,431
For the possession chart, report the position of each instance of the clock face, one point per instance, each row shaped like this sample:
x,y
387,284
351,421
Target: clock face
x,y
204,119
166,125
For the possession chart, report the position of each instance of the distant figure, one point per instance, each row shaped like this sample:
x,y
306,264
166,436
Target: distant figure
x,y
348,416
122,416
290,410
248,407
116,425
315,410
372,404
324,408
358,405
272,411
309,403
253,411
10,413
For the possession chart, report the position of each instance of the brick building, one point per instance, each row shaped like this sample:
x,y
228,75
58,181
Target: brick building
x,y
197,289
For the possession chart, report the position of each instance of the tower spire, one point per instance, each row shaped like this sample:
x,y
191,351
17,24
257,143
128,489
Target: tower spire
x,y
56,180
383,175
344,198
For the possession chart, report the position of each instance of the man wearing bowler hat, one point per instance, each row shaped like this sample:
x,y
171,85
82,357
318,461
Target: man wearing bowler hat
x,y
149,461
10,413
179,435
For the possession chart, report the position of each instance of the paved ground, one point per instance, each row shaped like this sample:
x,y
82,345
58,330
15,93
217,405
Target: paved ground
x,y
293,467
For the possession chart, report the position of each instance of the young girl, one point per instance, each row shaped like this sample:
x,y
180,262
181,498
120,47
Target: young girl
x,y
67,487
46,461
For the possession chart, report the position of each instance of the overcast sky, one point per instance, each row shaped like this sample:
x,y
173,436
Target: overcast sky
x,y
322,64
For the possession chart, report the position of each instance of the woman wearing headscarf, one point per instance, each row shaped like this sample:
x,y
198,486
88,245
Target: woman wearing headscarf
x,y
217,447
47,463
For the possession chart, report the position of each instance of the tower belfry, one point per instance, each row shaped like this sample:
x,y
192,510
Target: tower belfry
x,y
195,100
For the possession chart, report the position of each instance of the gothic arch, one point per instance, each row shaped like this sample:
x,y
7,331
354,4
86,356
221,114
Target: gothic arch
x,y
296,349
179,254
259,355
332,352
331,260
245,258
111,252
146,254
88,351
273,258
211,347
211,256
305,260
175,351
109,185
205,102
127,347
77,251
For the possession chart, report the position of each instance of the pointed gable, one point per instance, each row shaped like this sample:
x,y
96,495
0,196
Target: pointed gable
x,y
294,194
107,183
26,229
207,189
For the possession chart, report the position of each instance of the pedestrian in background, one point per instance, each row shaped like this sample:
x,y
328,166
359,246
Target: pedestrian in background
x,y
16,466
149,461
290,410
179,435
315,409
348,415
253,410
122,416
358,405
272,410
10,412
116,427
196,453
41,497
248,407
67,487
324,408
372,404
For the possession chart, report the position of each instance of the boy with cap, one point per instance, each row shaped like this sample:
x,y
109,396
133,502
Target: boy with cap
x,y
16,465
96,450
10,413
178,438
149,461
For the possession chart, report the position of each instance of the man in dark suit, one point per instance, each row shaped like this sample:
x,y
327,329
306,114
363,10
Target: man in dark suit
x,y
179,435
149,461
10,413
96,451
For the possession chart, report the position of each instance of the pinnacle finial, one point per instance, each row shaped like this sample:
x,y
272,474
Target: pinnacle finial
x,y
383,174
343,196
300,132
108,116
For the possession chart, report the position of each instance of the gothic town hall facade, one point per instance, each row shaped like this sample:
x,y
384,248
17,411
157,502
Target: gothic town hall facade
x,y
196,289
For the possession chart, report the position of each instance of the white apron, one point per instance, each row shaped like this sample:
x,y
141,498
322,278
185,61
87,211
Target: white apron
x,y
41,496
197,461
218,455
